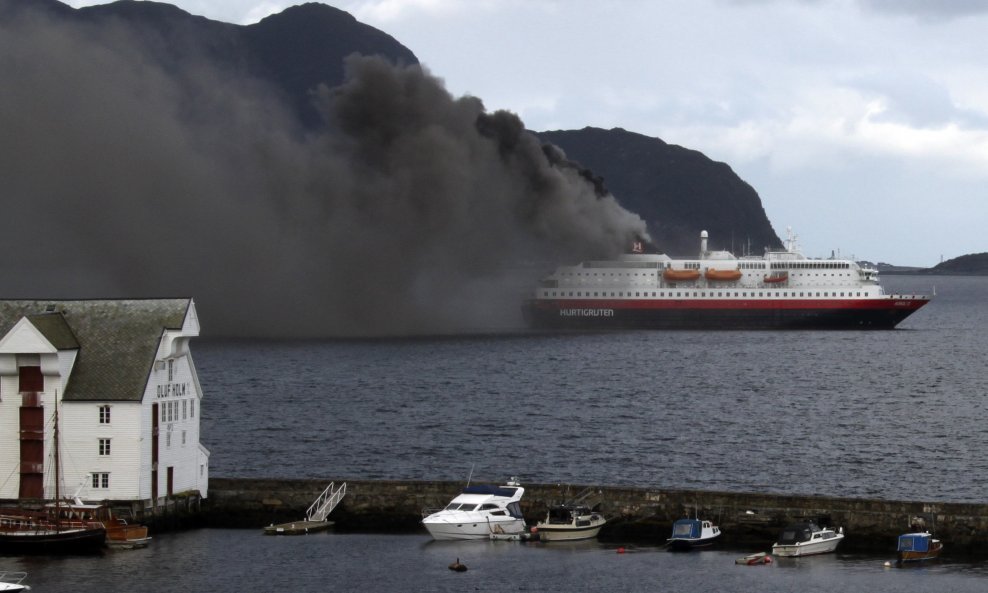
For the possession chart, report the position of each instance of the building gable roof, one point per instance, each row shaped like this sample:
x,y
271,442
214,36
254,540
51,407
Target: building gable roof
x,y
54,328
117,340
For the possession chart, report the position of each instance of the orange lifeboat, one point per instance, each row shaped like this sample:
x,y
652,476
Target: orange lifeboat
x,y
776,277
723,275
680,275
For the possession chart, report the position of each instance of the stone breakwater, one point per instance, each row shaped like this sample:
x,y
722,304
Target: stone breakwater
x,y
638,514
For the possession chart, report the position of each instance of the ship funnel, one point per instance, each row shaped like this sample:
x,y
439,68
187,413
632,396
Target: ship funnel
x,y
703,244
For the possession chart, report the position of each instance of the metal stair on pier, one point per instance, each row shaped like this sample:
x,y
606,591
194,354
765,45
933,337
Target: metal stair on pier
x,y
315,517
326,502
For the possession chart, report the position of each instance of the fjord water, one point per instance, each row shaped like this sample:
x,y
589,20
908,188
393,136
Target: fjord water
x,y
877,414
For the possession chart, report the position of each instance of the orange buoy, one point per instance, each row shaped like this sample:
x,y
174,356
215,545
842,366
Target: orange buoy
x,y
620,550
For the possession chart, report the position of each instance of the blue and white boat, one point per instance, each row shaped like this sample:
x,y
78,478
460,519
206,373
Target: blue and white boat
x,y
919,546
692,533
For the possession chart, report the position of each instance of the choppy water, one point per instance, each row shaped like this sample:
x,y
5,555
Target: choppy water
x,y
880,414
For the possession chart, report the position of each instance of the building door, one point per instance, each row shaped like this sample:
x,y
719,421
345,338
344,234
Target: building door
x,y
32,484
171,480
154,454
31,383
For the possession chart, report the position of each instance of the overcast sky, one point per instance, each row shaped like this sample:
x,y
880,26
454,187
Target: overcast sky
x,y
862,124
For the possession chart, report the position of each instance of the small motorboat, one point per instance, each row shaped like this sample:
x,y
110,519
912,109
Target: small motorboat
x,y
12,582
567,522
478,512
692,533
919,546
753,559
807,539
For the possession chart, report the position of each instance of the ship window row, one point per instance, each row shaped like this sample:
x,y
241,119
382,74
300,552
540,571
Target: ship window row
x,y
811,265
703,294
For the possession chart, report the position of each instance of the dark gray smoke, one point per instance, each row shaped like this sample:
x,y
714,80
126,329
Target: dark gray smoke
x,y
412,213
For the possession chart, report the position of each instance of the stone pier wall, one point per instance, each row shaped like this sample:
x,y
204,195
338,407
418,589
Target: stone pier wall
x,y
640,514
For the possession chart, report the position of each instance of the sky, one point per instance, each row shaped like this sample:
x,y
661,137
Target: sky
x,y
862,124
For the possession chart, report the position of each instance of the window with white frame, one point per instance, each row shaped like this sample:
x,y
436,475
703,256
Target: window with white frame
x,y
104,414
101,480
104,447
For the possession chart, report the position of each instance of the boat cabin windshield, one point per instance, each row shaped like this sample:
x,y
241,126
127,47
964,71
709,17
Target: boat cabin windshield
x,y
686,528
794,534
455,506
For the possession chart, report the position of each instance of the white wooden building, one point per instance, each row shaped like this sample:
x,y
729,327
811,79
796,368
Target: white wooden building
x,y
121,378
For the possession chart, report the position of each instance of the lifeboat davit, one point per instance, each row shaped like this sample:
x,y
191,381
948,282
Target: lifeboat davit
x,y
723,275
680,275
776,277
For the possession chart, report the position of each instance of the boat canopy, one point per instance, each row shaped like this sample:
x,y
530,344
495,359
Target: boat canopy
x,y
687,528
796,533
490,490
914,542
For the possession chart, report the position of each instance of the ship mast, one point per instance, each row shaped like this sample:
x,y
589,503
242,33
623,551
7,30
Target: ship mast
x,y
58,477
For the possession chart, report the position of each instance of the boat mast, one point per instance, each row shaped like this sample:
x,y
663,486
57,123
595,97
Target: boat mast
x,y
58,477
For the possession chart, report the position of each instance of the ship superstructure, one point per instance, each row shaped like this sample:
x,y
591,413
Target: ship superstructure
x,y
781,289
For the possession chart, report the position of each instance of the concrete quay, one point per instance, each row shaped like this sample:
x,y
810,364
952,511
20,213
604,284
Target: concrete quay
x,y
634,514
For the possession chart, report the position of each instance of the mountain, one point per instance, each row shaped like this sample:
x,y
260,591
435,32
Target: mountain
x,y
679,192
294,51
974,264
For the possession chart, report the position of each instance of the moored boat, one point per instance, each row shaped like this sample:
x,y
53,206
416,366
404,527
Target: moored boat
x,y
567,522
807,539
692,533
917,547
779,290
478,512
13,582
753,559
53,529
24,532
119,533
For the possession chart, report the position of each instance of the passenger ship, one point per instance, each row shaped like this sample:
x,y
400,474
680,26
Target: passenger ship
x,y
781,290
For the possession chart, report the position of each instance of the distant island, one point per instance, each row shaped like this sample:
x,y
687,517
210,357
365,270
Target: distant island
x,y
973,264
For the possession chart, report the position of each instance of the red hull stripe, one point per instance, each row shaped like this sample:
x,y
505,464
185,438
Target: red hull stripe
x,y
904,304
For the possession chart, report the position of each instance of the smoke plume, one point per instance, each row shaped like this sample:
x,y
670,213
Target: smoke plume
x,y
409,212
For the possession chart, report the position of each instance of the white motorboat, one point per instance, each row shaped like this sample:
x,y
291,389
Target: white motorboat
x,y
478,512
692,533
806,539
570,523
